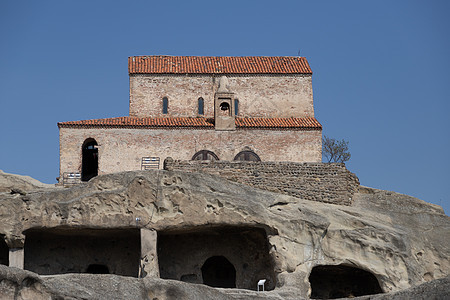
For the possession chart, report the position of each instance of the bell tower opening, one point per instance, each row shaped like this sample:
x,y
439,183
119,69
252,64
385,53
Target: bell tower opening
x,y
224,118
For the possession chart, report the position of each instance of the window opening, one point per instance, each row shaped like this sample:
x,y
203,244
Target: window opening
x,y
217,271
165,105
247,156
97,269
332,282
205,155
201,103
89,164
236,107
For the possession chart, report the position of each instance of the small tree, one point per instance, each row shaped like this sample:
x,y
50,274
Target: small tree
x,y
335,151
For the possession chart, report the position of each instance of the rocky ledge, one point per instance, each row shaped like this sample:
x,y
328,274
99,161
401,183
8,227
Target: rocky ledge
x,y
185,226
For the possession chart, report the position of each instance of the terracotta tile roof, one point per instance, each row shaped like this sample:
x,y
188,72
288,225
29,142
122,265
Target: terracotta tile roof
x,y
195,123
218,65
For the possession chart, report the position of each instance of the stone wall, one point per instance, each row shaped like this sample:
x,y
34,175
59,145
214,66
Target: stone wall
x,y
323,182
259,95
121,149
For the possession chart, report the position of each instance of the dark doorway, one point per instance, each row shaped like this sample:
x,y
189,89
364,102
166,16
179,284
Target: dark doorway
x,y
4,252
97,269
205,155
247,156
332,282
217,271
89,165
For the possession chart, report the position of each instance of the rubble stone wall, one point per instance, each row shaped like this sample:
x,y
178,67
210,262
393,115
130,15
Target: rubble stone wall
x,y
258,95
323,182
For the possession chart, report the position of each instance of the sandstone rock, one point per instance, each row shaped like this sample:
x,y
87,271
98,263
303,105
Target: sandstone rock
x,y
402,241
25,285
18,184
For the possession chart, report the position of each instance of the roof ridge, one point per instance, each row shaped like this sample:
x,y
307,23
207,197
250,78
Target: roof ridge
x,y
164,64
196,122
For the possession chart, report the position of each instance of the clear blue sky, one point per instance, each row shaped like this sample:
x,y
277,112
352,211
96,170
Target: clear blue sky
x,y
381,73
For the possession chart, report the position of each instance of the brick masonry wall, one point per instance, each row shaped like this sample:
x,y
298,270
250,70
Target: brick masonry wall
x,y
258,95
122,149
323,182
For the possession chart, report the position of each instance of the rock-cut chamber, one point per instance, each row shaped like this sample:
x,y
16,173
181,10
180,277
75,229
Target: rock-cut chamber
x,y
225,257
332,282
95,251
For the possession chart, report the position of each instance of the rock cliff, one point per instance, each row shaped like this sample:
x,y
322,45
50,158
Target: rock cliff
x,y
393,240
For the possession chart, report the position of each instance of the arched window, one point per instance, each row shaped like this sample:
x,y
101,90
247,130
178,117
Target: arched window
x,y
89,159
217,271
331,282
236,107
165,105
201,104
247,155
205,155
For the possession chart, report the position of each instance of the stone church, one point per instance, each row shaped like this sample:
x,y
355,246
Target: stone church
x,y
199,108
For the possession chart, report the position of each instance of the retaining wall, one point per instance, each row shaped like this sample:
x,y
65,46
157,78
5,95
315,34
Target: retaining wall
x,y
323,182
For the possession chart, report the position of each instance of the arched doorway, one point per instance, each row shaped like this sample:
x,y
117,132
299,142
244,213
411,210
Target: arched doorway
x,y
97,269
89,164
205,155
4,251
217,271
247,155
332,282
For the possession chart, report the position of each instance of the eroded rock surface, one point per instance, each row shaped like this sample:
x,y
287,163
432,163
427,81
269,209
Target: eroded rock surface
x,y
401,240
18,184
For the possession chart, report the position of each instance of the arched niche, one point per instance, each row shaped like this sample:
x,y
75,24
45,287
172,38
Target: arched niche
x,y
89,163
97,269
217,271
340,281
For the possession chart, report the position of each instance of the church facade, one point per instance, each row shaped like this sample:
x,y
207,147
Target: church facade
x,y
200,108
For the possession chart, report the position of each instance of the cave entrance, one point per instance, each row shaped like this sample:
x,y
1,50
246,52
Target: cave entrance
x,y
217,271
89,164
97,251
332,282
228,256
4,252
97,269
